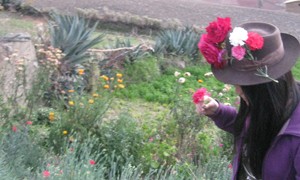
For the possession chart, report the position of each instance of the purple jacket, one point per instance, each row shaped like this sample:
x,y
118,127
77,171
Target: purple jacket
x,y
282,161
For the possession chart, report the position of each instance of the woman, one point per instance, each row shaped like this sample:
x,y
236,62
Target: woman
x,y
257,59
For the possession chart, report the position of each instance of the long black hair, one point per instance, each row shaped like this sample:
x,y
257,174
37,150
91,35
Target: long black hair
x,y
269,107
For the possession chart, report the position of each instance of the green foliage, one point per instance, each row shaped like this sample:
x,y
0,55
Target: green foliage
x,y
77,162
37,96
5,171
121,138
80,162
22,154
161,89
142,70
84,115
178,42
73,35
216,168
296,70
159,148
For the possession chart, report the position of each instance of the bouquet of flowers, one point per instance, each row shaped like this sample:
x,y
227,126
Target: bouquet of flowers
x,y
212,44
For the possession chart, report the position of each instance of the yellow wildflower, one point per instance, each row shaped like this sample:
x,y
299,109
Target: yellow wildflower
x,y
91,101
65,132
95,95
105,78
51,116
119,75
71,103
200,81
80,71
106,86
112,78
120,80
121,86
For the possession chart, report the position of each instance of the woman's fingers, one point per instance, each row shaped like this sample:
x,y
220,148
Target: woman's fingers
x,y
208,106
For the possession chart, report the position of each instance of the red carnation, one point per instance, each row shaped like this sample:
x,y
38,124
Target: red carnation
x,y
218,30
254,41
46,173
208,50
199,95
92,162
14,128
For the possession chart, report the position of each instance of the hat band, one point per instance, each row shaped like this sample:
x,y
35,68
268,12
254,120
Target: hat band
x,y
250,65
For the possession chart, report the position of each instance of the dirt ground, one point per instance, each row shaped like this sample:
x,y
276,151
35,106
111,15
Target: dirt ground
x,y
191,12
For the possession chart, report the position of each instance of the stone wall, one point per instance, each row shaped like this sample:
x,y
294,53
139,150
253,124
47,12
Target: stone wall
x,y
18,64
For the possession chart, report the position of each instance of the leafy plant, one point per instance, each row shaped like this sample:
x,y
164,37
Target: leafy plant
x,y
72,35
84,115
22,154
178,42
5,171
142,70
122,138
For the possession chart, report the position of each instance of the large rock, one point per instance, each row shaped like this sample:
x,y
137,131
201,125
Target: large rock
x,y
18,64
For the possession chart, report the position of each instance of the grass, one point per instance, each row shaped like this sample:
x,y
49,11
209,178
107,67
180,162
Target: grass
x,y
296,70
14,23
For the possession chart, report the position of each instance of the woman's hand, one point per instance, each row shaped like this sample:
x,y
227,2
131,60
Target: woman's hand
x,y
208,106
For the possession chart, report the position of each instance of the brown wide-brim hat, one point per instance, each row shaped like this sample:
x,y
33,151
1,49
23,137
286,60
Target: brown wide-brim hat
x,y
277,56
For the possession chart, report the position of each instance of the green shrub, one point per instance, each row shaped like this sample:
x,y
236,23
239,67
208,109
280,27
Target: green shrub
x,y
159,148
122,138
161,89
142,70
84,115
22,154
80,161
5,171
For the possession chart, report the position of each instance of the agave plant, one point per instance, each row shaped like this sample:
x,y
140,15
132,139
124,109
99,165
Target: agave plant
x,y
178,42
73,35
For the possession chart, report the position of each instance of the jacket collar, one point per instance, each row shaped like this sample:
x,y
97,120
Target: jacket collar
x,y
292,126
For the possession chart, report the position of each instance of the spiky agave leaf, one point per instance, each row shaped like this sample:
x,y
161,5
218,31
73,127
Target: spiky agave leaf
x,y
178,42
73,35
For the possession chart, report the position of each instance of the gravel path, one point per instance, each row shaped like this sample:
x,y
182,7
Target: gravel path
x,y
189,12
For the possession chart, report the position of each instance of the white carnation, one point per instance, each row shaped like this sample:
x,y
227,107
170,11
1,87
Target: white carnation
x,y
187,74
238,36
181,80
176,73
